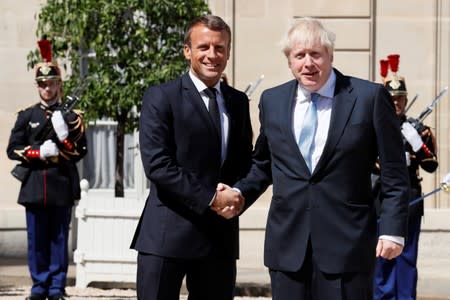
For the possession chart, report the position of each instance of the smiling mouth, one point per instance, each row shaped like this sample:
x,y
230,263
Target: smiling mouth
x,y
211,66
310,73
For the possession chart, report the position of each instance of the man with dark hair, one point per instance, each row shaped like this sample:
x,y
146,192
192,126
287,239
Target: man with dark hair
x,y
51,183
194,133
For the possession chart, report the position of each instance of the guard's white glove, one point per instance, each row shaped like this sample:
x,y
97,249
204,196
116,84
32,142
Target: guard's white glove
x,y
48,149
408,158
412,136
60,126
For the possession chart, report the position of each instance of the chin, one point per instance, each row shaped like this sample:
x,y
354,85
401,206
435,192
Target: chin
x,y
212,77
211,73
309,85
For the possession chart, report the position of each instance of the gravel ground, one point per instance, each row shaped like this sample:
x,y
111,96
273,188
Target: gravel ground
x,y
19,293
16,293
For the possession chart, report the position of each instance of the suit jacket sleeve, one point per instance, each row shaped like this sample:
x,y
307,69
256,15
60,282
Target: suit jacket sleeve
x,y
260,174
394,177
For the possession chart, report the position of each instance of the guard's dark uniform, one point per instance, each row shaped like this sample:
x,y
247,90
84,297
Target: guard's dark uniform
x,y
50,182
48,193
397,278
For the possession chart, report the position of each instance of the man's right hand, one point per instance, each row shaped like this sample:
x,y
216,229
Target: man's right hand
x,y
228,202
48,149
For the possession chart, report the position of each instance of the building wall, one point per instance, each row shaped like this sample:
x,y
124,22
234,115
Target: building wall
x,y
367,31
418,31
17,31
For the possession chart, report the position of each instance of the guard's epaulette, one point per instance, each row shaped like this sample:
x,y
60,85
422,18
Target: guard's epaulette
x,y
25,108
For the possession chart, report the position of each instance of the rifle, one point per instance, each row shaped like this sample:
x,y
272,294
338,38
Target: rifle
x,y
443,186
21,171
417,122
411,103
47,131
252,87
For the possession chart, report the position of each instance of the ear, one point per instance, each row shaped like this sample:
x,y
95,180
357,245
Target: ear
x,y
187,52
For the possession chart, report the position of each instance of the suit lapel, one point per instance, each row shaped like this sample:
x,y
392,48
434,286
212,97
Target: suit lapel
x,y
342,108
287,99
193,96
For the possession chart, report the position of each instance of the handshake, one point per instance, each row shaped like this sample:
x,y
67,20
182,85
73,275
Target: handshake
x,y
228,202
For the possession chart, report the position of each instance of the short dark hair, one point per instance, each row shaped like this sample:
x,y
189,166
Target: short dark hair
x,y
211,22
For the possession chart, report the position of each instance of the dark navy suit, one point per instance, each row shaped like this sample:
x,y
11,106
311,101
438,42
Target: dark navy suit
x,y
329,216
181,155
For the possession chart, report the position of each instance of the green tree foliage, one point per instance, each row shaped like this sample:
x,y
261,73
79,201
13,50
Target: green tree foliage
x,y
137,43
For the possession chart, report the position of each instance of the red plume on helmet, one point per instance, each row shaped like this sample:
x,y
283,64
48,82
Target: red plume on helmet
x,y
45,47
384,67
394,60
395,84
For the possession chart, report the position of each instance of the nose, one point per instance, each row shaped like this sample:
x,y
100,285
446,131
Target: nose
x,y
308,59
211,52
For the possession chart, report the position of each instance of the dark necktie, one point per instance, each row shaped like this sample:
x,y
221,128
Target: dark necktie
x,y
213,109
308,132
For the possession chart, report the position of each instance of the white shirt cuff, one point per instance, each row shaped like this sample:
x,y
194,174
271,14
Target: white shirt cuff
x,y
237,190
393,238
212,200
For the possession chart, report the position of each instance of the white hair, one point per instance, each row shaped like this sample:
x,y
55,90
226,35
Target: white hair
x,y
307,31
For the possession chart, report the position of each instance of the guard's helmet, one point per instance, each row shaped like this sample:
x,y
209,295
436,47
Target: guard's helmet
x,y
394,84
46,70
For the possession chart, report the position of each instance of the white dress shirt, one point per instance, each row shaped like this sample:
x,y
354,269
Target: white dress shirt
x,y
324,103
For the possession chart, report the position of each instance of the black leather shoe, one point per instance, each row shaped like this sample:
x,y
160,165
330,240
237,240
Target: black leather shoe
x,y
35,297
56,297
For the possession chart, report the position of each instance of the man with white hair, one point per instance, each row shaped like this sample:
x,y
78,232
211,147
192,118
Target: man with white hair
x,y
320,135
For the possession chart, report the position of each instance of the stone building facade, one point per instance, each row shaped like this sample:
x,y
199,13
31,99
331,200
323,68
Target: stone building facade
x,y
367,31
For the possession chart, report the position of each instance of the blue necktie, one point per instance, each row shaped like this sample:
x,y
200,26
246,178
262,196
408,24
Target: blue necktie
x,y
309,130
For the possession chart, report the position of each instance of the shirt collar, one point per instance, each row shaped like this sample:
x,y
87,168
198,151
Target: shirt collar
x,y
327,90
200,85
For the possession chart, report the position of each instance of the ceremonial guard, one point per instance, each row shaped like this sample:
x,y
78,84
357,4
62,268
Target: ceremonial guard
x,y
397,278
48,141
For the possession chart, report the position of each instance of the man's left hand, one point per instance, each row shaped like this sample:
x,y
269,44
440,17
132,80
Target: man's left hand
x,y
388,249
